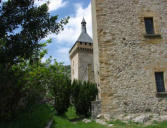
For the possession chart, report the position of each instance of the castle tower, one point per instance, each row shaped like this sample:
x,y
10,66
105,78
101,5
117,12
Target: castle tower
x,y
130,55
81,56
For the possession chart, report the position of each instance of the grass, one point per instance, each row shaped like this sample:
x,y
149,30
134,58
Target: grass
x,y
65,122
71,113
60,122
119,124
37,117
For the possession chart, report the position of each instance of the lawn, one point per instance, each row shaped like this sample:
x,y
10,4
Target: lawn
x,y
67,121
39,115
35,117
119,124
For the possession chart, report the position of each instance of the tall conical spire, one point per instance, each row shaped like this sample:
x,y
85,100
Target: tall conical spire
x,y
83,26
84,37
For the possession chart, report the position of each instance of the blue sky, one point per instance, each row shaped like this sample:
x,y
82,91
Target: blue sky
x,y
61,43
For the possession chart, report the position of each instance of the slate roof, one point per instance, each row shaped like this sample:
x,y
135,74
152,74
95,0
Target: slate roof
x,y
84,37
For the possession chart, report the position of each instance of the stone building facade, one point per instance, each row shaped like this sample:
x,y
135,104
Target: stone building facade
x,y
130,55
81,57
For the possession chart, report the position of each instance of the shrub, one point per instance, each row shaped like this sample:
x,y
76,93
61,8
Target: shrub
x,y
62,94
82,95
10,92
37,117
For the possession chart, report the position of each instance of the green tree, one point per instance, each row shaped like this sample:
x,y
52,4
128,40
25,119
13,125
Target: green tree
x,y
83,92
33,24
22,26
60,87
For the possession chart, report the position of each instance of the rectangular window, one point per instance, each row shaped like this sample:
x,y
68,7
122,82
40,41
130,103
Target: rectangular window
x,y
159,77
149,25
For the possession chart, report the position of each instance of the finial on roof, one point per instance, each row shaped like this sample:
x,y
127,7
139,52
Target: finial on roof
x,y
83,26
84,37
83,20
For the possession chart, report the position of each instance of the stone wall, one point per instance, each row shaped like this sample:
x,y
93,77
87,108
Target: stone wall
x,y
126,58
74,67
85,59
95,109
81,56
95,47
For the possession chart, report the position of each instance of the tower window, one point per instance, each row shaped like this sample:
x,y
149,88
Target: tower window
x,y
149,25
159,77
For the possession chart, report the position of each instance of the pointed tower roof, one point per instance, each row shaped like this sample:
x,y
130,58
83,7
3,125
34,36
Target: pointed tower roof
x,y
83,20
84,37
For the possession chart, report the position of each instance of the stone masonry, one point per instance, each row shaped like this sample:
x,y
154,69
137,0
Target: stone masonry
x,y
125,58
95,109
81,56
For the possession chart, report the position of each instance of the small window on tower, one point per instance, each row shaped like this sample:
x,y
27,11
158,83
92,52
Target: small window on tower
x,y
149,25
159,78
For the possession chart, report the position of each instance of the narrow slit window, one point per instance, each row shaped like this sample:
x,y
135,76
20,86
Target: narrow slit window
x,y
159,77
149,25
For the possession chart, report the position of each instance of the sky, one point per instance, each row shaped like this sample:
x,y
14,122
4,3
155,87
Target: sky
x,y
62,43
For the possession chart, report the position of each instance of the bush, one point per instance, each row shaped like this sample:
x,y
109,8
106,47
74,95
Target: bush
x,y
62,94
10,92
21,86
24,84
82,95
37,117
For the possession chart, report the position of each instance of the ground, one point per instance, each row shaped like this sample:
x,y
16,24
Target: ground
x,y
35,116
39,115
71,120
67,121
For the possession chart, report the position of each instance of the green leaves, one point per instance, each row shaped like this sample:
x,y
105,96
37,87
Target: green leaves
x,y
34,23
24,80
83,92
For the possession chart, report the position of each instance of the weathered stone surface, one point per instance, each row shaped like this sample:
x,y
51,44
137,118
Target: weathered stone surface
x,y
163,118
155,117
129,117
124,59
110,125
86,121
96,109
102,122
141,118
99,116
107,117
81,57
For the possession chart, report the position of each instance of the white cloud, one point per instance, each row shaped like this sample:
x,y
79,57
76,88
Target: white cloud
x,y
65,40
73,29
44,59
53,4
4,0
63,50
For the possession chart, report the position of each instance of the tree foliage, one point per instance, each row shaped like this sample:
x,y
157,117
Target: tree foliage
x,y
83,92
62,93
24,79
22,26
